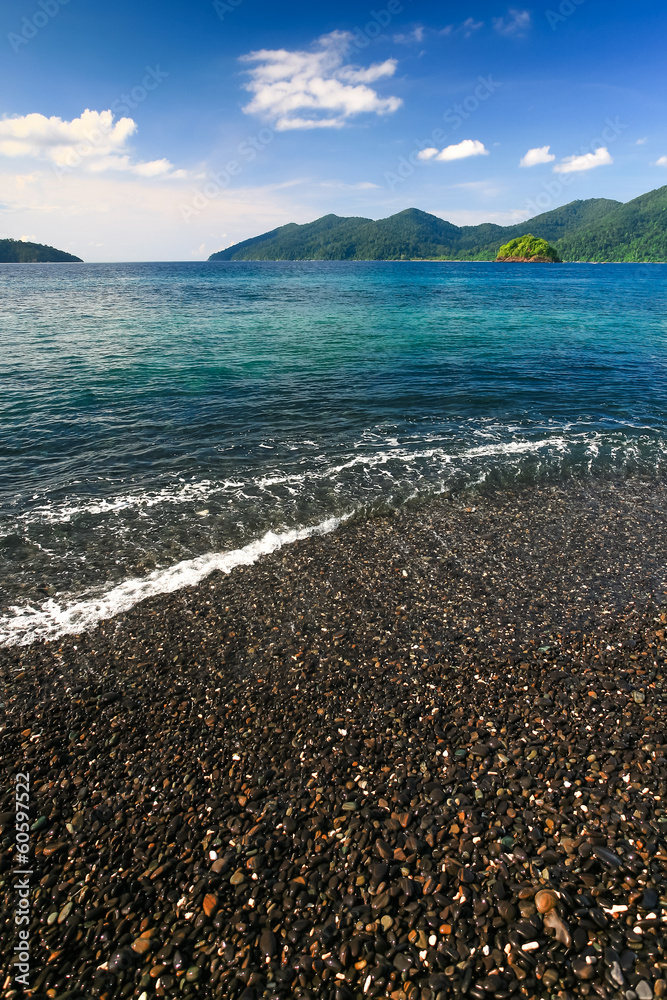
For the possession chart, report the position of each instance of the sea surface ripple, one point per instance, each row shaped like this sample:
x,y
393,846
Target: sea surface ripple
x,y
160,421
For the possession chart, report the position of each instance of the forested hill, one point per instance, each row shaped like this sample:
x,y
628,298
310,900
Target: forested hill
x,y
19,252
595,229
636,231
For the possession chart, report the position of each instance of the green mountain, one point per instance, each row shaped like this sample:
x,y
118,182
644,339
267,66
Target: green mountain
x,y
597,229
636,231
18,252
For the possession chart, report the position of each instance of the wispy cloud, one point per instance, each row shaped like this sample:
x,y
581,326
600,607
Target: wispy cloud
x,y
460,151
541,154
662,162
93,141
470,26
641,142
342,186
517,22
586,161
410,37
318,89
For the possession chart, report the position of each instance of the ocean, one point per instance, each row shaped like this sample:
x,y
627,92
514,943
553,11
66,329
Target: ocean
x,y
161,421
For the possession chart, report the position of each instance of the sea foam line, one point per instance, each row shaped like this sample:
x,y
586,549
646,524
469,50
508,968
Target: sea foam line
x,y
52,620
201,492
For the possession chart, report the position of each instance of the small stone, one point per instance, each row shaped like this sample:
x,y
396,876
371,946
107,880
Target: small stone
x,y
237,878
559,927
643,990
507,911
545,900
616,973
267,943
193,973
387,922
607,857
53,848
402,962
121,961
210,904
583,969
649,900
141,945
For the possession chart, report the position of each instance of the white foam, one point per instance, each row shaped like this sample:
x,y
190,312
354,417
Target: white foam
x,y
186,493
442,452
403,468
51,620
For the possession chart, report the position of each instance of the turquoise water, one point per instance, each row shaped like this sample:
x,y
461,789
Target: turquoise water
x,y
159,420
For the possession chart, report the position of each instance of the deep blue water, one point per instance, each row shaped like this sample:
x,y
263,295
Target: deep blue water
x,y
157,418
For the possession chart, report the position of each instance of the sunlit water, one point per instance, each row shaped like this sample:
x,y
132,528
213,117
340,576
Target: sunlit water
x,y
163,420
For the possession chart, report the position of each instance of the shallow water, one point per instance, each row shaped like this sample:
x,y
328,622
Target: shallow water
x,y
158,418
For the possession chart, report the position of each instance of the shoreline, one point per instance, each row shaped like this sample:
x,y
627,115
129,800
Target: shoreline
x,y
420,757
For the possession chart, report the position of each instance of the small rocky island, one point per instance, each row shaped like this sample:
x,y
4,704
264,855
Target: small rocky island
x,y
528,250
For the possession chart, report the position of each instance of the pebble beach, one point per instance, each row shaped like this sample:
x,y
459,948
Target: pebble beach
x,y
422,757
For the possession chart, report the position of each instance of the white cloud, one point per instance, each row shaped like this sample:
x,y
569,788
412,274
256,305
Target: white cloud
x,y
641,142
587,161
662,162
93,141
127,217
416,35
540,154
517,22
461,151
470,26
342,186
302,90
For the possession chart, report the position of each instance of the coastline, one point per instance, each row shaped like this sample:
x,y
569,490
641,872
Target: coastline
x,y
347,769
411,260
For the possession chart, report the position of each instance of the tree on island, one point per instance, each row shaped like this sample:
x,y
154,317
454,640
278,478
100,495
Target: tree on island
x,y
528,249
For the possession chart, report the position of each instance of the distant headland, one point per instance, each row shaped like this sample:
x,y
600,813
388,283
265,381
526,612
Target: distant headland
x,y
20,252
597,230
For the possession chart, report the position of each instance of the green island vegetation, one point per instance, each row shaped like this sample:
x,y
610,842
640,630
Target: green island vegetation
x,y
596,229
20,252
528,249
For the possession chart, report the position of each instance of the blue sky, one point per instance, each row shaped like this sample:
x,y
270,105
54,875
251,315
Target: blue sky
x,y
167,131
